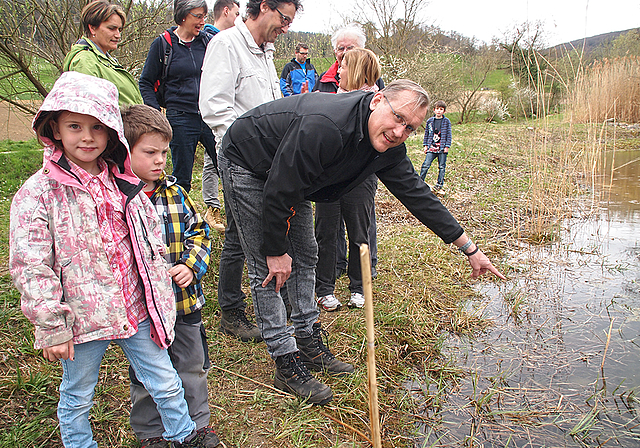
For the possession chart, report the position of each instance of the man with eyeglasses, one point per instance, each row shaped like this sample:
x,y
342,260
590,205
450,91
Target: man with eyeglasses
x,y
238,74
299,75
281,155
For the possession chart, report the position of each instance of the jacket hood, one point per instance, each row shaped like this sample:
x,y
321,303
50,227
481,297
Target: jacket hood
x,y
85,44
84,94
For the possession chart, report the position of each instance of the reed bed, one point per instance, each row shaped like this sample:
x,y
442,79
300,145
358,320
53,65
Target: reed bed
x,y
608,90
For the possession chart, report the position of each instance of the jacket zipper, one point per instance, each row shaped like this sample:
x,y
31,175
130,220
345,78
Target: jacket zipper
x,y
146,237
146,271
165,218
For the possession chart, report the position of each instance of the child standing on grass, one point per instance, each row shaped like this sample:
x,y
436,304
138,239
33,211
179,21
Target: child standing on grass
x,y
86,255
437,141
186,236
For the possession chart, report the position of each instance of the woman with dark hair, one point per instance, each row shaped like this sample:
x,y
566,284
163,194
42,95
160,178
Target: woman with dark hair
x,y
180,84
102,23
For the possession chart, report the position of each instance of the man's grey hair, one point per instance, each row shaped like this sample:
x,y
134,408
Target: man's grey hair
x,y
182,7
393,89
352,30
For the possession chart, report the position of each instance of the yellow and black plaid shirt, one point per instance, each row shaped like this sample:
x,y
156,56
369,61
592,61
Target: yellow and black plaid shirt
x,y
186,235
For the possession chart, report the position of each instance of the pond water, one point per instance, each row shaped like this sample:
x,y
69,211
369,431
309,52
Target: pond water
x,y
540,377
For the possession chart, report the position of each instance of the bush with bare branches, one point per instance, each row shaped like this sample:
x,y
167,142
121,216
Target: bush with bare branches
x,y
35,35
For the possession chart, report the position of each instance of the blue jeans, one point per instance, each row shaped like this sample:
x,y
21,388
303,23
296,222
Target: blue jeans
x,y
442,165
189,355
151,365
188,130
243,193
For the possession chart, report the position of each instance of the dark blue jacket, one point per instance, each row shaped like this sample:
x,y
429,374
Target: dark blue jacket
x,y
183,78
293,76
445,133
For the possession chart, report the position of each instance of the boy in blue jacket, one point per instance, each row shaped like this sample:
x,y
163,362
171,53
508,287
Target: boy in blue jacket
x,y
186,235
437,141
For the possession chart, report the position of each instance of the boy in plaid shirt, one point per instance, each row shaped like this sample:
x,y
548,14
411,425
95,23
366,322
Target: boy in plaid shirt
x,y
186,235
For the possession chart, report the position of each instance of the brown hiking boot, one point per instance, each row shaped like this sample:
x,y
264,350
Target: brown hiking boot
x,y
317,356
292,376
214,219
235,323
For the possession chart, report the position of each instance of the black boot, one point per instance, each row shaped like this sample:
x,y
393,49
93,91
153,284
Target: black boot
x,y
317,356
292,376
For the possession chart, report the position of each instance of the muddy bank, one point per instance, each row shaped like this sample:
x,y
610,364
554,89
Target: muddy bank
x,y
14,124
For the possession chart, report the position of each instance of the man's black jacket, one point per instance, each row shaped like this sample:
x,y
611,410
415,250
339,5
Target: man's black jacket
x,y
316,146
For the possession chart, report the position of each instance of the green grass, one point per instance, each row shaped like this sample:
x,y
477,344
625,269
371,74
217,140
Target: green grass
x,y
497,78
20,88
18,161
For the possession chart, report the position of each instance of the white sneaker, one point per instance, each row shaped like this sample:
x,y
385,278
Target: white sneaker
x,y
356,300
329,303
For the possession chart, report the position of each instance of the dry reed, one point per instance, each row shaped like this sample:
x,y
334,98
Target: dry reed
x,y
608,89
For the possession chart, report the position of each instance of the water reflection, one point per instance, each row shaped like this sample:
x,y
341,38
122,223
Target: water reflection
x,y
541,376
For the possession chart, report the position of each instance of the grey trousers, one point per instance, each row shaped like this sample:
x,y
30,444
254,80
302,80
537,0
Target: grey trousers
x,y
210,183
190,357
355,208
243,195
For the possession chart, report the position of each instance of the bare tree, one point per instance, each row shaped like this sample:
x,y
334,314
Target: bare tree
x,y
392,26
35,35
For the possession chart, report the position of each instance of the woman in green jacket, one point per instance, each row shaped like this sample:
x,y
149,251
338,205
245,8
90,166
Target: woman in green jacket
x,y
102,23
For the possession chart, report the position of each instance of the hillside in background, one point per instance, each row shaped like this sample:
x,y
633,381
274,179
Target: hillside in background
x,y
592,45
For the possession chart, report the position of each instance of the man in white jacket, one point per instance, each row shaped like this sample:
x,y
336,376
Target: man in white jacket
x,y
238,75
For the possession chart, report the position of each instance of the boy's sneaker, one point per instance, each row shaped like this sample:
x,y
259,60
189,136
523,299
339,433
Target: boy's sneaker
x,y
204,438
329,303
214,219
293,376
155,442
356,300
208,437
235,323
317,356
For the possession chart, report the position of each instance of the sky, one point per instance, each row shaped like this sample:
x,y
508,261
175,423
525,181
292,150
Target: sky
x,y
564,20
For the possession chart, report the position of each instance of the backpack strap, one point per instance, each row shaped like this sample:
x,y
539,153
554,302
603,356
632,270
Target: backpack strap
x,y
167,52
165,59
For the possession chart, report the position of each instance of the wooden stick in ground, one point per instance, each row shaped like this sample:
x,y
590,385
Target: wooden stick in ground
x,y
374,418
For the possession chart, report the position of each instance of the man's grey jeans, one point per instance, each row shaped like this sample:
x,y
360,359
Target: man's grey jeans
x,y
243,193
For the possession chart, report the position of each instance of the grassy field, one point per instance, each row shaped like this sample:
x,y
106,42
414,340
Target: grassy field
x,y
505,182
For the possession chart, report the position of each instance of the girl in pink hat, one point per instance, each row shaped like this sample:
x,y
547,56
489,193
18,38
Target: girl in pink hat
x,y
86,255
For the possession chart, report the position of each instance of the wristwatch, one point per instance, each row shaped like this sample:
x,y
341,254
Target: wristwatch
x,y
465,246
